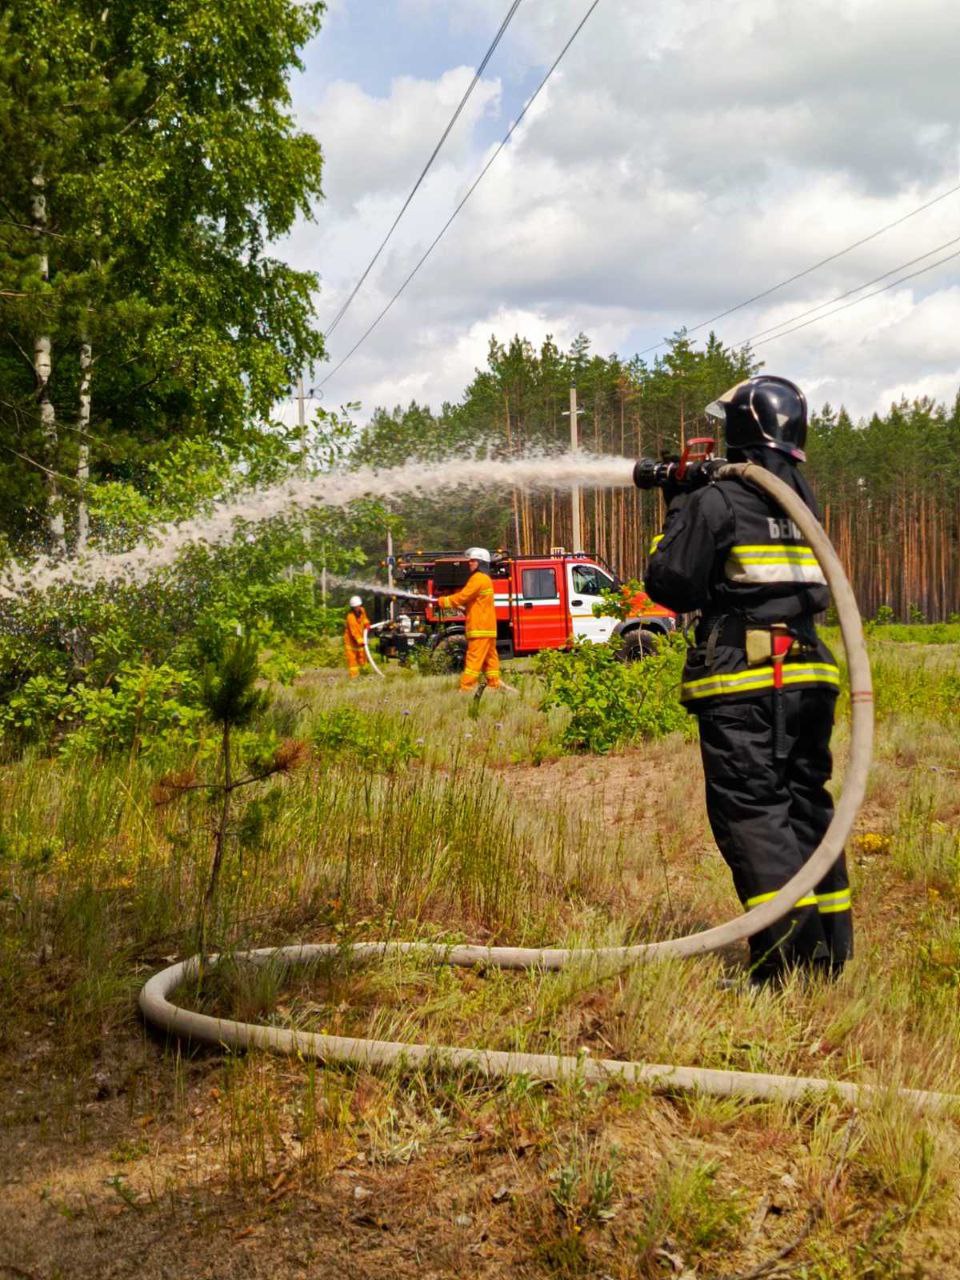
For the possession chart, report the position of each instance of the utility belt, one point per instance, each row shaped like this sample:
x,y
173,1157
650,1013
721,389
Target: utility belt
x,y
735,657
768,645
760,642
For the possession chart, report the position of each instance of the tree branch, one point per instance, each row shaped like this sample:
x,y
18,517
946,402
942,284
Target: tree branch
x,y
26,355
143,115
57,475
34,231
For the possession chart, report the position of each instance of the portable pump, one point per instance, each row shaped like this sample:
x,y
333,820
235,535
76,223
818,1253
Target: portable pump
x,y
694,468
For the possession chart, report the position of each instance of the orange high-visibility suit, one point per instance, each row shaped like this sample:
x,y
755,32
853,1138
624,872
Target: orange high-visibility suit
x,y
476,599
353,628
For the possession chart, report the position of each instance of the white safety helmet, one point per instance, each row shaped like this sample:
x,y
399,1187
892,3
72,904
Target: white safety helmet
x,y
477,553
356,602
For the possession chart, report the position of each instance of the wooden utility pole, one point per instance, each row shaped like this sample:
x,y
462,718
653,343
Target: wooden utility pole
x,y
573,412
390,569
308,566
518,545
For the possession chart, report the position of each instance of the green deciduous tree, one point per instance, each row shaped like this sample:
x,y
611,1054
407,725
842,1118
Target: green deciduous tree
x,y
148,158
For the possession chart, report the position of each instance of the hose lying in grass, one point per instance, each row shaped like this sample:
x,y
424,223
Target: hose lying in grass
x,y
158,1009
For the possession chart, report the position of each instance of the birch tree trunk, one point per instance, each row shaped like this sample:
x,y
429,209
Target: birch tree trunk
x,y
43,368
83,452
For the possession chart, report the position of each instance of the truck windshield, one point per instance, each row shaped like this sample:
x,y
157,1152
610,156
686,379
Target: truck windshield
x,y
588,580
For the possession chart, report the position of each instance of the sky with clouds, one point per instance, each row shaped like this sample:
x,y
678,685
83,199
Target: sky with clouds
x,y
683,158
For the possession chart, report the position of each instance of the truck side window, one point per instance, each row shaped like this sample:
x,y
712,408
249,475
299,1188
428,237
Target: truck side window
x,y
539,584
588,580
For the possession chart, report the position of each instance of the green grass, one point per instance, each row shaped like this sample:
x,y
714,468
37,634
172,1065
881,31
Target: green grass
x,y
914,632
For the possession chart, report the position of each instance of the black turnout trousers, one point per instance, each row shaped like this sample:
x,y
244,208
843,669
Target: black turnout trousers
x,y
769,815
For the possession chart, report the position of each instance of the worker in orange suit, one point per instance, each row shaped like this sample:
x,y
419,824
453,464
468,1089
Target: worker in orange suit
x,y
476,600
354,626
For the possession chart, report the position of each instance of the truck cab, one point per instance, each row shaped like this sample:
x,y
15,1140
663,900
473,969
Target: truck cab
x,y
542,602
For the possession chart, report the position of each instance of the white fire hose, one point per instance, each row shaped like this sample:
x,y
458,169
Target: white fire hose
x,y
158,1009
366,645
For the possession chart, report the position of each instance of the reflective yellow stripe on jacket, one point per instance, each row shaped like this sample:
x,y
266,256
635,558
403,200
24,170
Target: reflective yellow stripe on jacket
x,y
754,679
655,543
770,562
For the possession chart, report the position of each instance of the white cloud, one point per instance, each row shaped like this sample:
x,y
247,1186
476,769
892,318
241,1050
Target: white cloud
x,y
683,158
376,145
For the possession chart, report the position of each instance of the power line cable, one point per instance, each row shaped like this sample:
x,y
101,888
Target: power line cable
x,y
892,285
440,234
849,293
426,168
815,267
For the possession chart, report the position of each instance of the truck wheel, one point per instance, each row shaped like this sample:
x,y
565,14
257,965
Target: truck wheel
x,y
638,645
449,654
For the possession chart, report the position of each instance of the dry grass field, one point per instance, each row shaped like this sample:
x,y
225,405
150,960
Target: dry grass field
x,y
122,1155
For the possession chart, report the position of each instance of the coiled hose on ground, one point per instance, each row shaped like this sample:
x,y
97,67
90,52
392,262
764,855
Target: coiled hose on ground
x,y
158,1009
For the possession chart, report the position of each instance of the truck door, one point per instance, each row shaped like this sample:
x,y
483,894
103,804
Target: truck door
x,y
540,619
584,584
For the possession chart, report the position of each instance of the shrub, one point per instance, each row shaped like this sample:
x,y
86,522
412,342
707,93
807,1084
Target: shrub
x,y
143,705
381,743
75,656
32,713
613,702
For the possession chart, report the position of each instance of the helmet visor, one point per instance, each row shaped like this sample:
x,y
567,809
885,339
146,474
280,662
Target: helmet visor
x,y
716,412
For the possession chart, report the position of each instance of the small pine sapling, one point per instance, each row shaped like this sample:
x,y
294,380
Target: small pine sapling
x,y
232,700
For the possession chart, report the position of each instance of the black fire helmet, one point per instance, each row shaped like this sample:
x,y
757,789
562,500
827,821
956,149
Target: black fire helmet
x,y
764,410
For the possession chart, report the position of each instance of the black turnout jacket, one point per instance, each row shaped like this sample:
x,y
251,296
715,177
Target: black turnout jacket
x,y
728,553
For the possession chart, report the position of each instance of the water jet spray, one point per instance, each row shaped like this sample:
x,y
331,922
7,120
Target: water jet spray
x,y
293,499
377,588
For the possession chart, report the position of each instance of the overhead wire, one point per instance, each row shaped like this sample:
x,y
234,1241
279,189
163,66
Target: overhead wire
x,y
892,285
789,326
476,182
858,288
799,275
426,168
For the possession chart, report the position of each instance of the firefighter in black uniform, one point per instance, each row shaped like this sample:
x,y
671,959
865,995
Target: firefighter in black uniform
x,y
761,683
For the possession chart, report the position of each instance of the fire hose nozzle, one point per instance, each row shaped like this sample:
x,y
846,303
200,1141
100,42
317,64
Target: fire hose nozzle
x,y
688,472
648,473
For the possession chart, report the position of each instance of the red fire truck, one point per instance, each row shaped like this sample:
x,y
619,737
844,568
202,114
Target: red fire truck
x,y
542,602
